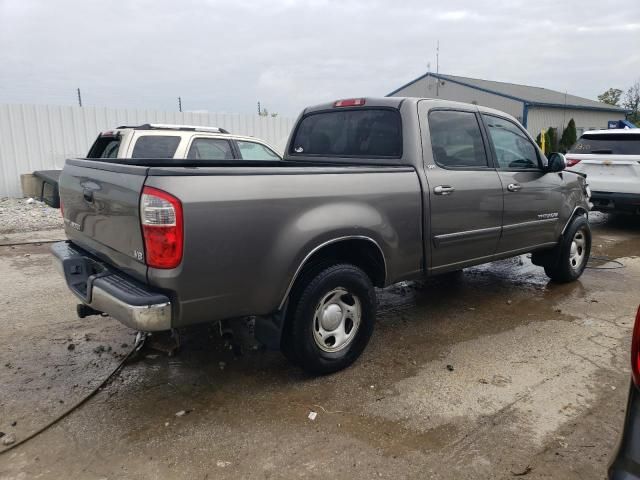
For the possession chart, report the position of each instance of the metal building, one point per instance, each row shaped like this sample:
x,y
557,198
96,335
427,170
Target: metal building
x,y
536,108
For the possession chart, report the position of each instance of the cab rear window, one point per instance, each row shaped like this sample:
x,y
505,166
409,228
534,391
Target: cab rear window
x,y
155,146
366,133
609,143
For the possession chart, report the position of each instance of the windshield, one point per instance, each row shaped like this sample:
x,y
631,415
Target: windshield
x,y
608,143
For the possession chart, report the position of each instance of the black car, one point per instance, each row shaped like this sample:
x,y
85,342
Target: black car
x,y
626,463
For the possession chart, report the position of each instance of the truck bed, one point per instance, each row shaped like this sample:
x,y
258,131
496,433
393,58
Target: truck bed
x,y
248,225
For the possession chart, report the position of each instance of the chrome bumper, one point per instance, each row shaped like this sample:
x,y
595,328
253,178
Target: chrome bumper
x,y
110,292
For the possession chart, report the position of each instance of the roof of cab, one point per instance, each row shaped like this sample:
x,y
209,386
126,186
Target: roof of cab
x,y
396,102
392,102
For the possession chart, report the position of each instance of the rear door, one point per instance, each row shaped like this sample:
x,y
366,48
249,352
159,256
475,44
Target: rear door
x,y
465,193
101,211
532,197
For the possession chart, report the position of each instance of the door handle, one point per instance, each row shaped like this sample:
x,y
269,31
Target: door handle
x,y
514,187
443,190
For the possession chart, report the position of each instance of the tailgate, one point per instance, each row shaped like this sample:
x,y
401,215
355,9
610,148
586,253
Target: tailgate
x,y
609,173
101,211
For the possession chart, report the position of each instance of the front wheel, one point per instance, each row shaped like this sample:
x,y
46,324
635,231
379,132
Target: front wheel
x,y
331,318
574,251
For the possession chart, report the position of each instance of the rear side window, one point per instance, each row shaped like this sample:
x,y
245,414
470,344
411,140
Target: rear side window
x,y
156,146
350,133
210,149
105,147
456,140
613,143
256,151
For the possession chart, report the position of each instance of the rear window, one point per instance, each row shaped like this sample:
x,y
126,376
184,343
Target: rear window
x,y
350,133
156,146
105,147
613,143
456,139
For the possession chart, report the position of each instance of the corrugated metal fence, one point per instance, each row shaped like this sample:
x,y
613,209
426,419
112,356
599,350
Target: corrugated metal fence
x,y
41,137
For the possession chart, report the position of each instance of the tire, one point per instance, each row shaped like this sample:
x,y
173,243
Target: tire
x,y
573,254
331,317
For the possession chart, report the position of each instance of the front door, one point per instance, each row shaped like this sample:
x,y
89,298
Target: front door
x,y
532,197
465,193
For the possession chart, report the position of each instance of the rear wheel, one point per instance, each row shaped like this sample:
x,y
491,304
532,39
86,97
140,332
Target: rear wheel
x,y
573,254
331,318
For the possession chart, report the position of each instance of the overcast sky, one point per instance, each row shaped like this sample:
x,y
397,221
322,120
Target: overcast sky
x,y
224,56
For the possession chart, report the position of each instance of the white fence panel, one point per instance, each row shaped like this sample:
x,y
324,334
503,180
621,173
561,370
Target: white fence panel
x,y
41,137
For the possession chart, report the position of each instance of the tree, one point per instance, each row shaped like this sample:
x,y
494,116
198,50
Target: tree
x,y
553,139
569,136
611,96
632,102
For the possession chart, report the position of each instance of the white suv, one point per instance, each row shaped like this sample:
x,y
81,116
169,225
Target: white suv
x,y
611,160
160,141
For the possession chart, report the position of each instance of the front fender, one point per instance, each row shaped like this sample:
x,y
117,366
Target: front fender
x,y
574,201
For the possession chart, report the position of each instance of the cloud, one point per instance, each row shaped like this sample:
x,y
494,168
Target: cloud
x,y
457,16
287,54
624,27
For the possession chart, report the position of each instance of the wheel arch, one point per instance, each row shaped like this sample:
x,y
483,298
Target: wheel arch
x,y
577,211
359,250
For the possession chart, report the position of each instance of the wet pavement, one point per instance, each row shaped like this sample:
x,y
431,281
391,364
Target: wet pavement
x,y
490,373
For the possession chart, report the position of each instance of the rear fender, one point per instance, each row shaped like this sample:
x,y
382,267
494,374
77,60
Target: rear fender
x,y
326,225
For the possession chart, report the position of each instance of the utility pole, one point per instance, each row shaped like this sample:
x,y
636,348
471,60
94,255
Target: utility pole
x,y
180,104
79,98
259,110
437,68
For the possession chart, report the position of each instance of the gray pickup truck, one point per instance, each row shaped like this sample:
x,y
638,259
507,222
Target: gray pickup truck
x,y
370,192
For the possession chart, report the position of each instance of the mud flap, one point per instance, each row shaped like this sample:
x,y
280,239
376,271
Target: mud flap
x,y
546,258
268,330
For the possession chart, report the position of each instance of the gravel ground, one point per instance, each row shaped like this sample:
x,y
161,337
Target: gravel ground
x,y
489,374
27,215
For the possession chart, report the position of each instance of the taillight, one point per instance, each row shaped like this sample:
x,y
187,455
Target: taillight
x,y
161,219
635,351
572,161
350,102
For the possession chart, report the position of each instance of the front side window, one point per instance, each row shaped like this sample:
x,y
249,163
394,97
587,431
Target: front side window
x,y
513,149
456,140
350,133
210,149
156,146
256,151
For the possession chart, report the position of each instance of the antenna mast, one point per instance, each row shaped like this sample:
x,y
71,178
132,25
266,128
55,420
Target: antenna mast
x,y
437,68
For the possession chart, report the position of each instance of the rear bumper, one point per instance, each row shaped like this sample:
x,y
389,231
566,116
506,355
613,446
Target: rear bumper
x,y
626,462
109,291
609,201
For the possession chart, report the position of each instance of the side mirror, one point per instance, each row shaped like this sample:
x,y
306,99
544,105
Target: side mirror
x,y
557,162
